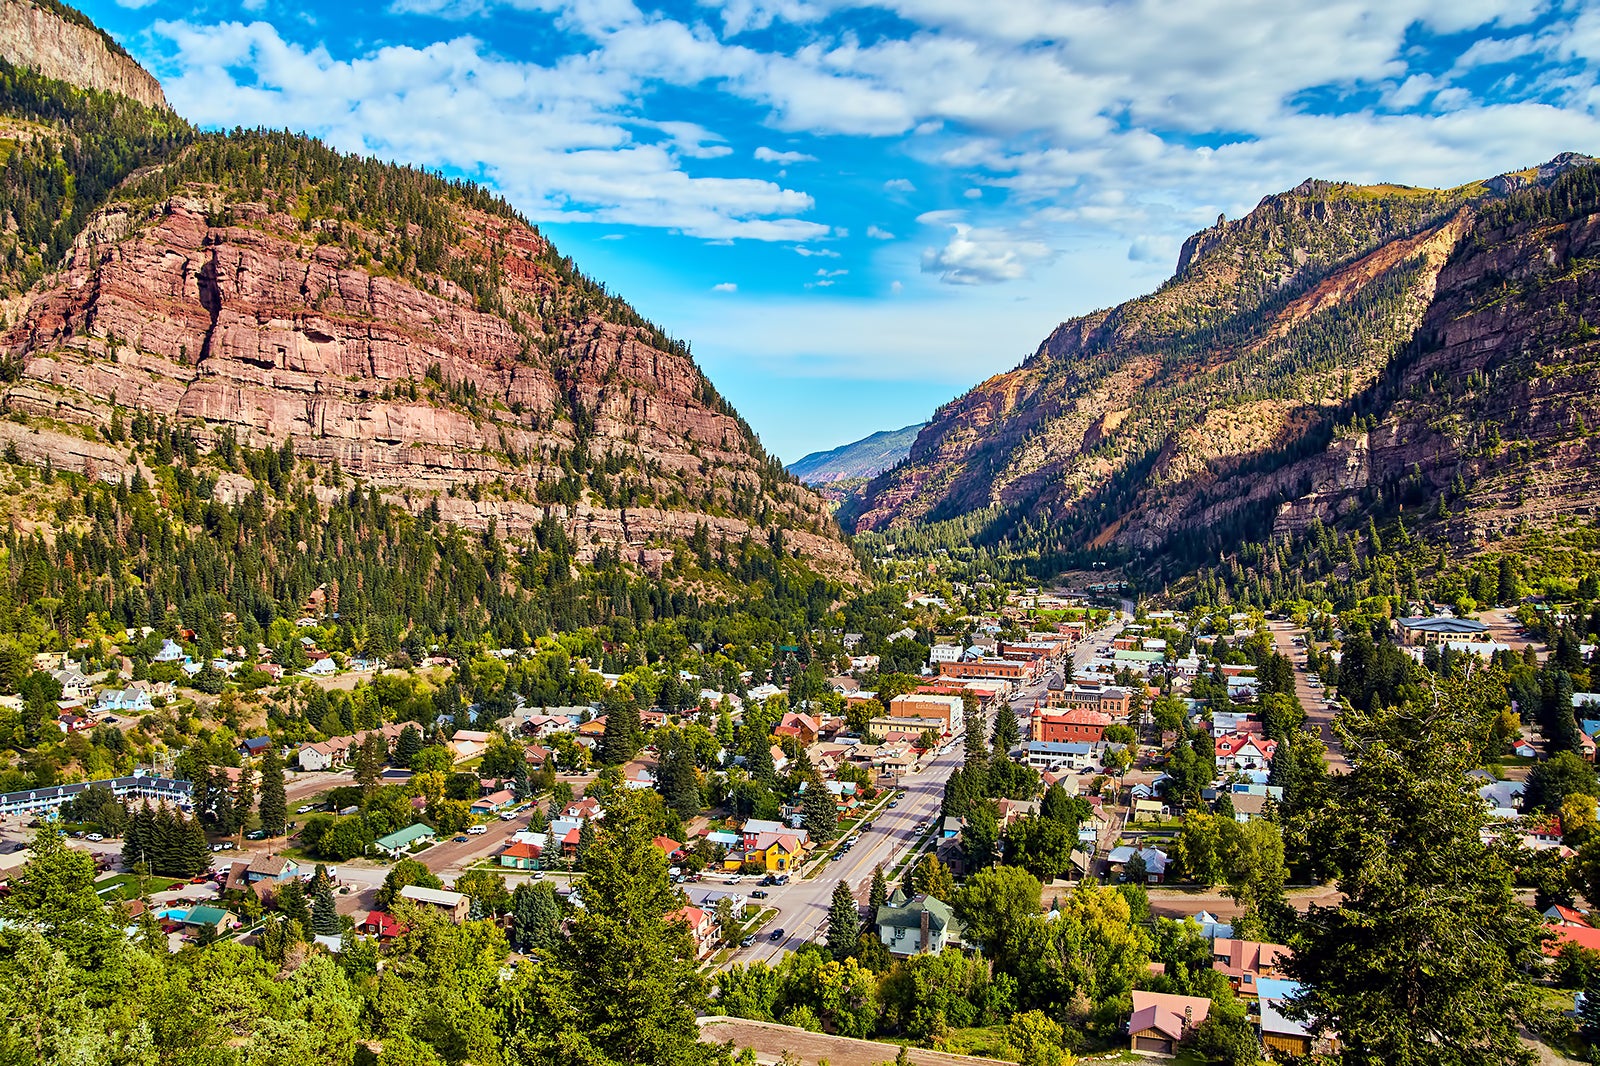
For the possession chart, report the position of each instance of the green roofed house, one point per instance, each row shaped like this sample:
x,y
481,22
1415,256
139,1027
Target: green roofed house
x,y
920,925
400,841
214,918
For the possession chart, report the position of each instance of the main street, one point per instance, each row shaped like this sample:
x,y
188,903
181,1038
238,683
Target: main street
x,y
803,904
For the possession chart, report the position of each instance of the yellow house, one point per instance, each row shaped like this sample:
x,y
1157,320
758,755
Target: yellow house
x,y
781,853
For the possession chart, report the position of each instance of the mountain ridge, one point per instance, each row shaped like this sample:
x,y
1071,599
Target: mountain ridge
x,y
406,333
1203,409
864,458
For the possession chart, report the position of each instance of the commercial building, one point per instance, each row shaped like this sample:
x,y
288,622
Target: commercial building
x,y
946,709
132,789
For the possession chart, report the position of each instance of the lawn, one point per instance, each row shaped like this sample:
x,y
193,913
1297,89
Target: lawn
x,y
126,886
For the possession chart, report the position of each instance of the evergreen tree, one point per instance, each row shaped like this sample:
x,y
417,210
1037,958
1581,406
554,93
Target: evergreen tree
x,y
878,896
623,734
371,755
407,744
586,837
676,778
535,917
274,807
844,923
976,752
819,811
244,799
324,908
290,899
1005,736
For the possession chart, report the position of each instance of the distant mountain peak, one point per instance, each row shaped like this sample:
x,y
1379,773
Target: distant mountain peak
x,y
867,457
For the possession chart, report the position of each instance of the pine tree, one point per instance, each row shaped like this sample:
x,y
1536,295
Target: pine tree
x,y
586,835
244,798
879,894
324,909
535,916
274,807
194,854
291,903
844,923
623,733
819,811
406,745
1005,736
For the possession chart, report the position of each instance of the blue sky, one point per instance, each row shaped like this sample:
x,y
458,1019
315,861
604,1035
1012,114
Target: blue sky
x,y
856,210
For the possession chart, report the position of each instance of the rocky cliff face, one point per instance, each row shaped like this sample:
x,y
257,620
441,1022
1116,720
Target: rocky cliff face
x,y
402,334
61,43
1276,378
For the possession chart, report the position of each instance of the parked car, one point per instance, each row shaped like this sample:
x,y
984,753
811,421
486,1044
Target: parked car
x,y
305,808
538,875
776,934
95,837
731,879
216,847
458,840
256,834
747,941
759,893
112,719
477,830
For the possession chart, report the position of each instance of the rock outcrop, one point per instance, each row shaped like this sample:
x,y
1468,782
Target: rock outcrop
x,y
242,321
61,43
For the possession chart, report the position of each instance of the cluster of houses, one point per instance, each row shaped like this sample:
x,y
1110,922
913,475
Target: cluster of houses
x,y
1161,1022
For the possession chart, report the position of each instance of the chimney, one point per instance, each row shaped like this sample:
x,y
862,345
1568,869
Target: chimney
x,y
1188,1018
926,939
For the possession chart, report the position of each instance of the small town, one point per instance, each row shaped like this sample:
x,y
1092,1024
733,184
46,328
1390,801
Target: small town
x,y
794,533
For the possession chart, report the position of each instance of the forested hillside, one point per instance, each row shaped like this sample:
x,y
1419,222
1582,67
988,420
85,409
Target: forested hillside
x,y
399,329
1299,364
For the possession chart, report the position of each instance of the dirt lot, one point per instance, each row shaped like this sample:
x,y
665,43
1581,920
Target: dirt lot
x,y
769,1042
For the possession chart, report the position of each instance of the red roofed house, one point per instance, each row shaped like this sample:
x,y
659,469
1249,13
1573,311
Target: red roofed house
x,y
1581,935
1080,723
1160,1021
1565,916
802,727
519,855
702,926
1244,751
381,925
1244,961
669,846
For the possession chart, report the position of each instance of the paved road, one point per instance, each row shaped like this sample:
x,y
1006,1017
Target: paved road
x,y
1318,714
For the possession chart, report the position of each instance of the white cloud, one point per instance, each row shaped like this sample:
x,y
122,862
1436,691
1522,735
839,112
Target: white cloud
x,y
899,185
768,155
984,257
825,273
878,233
824,253
134,5
557,139
726,286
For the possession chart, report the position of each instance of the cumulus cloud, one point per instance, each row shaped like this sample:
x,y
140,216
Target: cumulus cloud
x,y
557,138
878,233
899,185
726,286
976,256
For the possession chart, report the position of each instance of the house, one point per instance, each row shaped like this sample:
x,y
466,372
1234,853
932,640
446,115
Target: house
x,y
520,855
1284,1037
1074,755
380,924
1246,961
272,868
1249,805
639,779
324,755
587,809
469,744
322,668
170,653
130,700
920,925
754,827
74,686
1560,915
1503,797
494,801
1160,1021
668,846
1151,810
702,925
213,918
802,727
778,852
1155,861
1438,628
72,723
1245,751
255,746
400,841
452,905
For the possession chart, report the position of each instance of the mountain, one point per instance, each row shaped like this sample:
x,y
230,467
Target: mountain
x,y
62,43
865,458
404,332
1342,349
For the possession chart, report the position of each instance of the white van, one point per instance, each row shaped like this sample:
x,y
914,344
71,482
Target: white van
x,y
477,830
